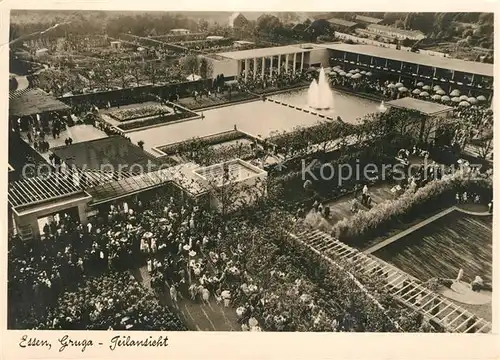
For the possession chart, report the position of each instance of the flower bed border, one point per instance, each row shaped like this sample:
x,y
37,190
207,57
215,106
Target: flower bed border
x,y
151,122
121,120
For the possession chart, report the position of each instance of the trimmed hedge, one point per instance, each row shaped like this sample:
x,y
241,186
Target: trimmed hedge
x,y
382,216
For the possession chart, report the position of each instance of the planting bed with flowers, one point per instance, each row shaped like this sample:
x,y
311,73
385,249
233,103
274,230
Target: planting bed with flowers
x,y
163,119
139,112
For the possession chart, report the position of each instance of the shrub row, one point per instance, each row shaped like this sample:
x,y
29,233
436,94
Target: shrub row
x,y
382,216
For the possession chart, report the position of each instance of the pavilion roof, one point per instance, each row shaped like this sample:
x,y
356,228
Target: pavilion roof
x,y
425,107
471,67
265,52
33,101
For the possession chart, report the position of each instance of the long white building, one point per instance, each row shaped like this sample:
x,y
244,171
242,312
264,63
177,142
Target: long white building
x,y
290,58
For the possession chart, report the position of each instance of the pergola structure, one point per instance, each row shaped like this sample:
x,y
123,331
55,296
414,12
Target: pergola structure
x,y
405,288
32,198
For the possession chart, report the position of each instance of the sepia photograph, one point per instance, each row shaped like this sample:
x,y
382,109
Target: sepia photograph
x,y
222,171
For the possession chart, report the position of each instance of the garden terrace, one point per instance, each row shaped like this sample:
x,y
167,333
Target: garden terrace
x,y
362,228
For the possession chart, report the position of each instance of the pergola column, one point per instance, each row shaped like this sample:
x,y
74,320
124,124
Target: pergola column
x,y
263,66
271,67
254,68
302,62
246,69
287,62
294,62
279,64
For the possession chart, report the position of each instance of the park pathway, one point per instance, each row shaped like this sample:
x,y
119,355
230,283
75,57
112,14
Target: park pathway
x,y
195,315
405,288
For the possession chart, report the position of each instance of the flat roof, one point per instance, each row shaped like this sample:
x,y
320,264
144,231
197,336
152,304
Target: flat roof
x,y
368,19
114,152
182,175
239,170
422,106
471,67
395,30
33,101
264,52
341,22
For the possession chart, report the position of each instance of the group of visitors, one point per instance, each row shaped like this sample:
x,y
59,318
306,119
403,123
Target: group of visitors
x,y
181,245
37,127
272,79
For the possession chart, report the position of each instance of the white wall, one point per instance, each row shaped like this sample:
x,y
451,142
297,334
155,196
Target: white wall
x,y
227,67
320,56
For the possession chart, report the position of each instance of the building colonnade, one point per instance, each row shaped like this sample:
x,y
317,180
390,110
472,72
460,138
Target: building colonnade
x,y
271,64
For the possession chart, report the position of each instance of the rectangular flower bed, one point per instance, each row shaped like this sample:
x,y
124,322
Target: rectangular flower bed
x,y
137,113
155,120
205,102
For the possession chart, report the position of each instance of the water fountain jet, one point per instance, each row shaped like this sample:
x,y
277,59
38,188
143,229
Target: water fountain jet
x,y
320,95
382,108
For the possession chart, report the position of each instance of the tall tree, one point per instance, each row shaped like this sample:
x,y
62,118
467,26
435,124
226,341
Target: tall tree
x,y
206,68
191,64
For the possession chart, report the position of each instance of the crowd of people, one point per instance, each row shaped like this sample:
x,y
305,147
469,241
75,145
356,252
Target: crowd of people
x,y
37,127
185,248
274,79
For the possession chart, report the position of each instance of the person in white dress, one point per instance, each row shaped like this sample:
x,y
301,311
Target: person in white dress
x,y
173,294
